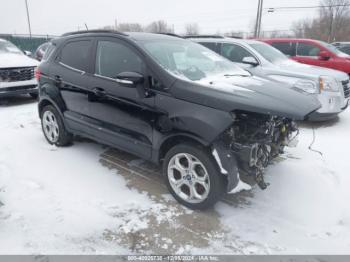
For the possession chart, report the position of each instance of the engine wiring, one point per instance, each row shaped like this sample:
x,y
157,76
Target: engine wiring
x,y
313,141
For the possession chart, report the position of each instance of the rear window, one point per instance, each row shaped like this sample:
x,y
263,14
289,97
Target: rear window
x,y
287,48
76,54
48,52
213,46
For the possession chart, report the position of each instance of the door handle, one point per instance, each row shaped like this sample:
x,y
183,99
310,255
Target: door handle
x,y
99,92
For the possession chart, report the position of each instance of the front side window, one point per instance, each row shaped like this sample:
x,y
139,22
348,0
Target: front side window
x,y
76,54
190,61
305,49
287,48
234,53
113,58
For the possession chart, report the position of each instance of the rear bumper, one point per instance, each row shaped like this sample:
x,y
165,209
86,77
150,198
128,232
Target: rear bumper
x,y
18,88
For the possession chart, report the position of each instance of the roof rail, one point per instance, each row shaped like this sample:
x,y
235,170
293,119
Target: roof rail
x,y
203,36
94,31
235,37
171,34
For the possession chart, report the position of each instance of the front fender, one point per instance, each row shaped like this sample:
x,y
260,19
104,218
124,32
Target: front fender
x,y
228,166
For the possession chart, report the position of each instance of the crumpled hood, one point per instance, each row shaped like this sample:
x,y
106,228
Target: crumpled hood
x,y
9,60
296,69
247,93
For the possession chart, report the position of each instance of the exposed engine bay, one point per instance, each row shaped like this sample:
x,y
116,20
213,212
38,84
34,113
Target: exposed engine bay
x,y
255,139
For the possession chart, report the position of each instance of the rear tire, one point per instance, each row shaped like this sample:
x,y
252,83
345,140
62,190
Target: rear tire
x,y
53,127
192,176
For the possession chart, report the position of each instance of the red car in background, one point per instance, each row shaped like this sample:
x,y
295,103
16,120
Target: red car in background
x,y
312,52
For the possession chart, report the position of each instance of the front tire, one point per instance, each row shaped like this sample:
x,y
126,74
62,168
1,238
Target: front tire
x,y
192,176
53,127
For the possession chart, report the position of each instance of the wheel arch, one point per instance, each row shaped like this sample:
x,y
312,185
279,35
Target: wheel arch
x,y
173,140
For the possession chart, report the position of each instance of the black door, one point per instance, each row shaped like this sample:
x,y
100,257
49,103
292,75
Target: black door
x,y
71,68
124,116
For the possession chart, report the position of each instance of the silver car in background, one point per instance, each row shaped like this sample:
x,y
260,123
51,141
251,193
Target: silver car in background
x,y
330,87
17,71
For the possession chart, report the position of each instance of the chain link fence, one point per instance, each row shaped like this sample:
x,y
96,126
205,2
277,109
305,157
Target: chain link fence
x,y
27,42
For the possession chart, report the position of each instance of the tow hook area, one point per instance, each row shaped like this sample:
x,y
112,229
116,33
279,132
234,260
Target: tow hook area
x,y
259,178
227,163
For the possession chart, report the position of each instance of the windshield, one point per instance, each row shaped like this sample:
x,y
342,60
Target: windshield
x,y
269,53
332,48
7,47
191,61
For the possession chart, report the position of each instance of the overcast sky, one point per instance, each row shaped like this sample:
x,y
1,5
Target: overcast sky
x,y
58,16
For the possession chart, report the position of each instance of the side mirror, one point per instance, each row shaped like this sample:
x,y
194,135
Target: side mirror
x,y
130,79
28,53
250,61
324,55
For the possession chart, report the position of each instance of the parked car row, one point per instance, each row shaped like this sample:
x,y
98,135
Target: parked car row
x,y
330,87
343,46
213,111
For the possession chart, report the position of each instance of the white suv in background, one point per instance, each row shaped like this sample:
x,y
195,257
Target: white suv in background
x,y
330,87
16,71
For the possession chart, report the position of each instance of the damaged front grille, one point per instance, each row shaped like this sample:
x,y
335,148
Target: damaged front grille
x,y
16,74
256,139
346,86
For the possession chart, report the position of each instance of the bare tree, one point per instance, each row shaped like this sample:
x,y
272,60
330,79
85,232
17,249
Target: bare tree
x,y
332,23
159,27
130,27
192,29
333,15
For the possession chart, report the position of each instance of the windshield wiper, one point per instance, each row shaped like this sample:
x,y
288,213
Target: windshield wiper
x,y
243,75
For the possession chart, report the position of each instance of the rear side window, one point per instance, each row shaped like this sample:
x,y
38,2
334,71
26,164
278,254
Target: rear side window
x,y
305,49
287,48
76,54
234,53
213,46
113,58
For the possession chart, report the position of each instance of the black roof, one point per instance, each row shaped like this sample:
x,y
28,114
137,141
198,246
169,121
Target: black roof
x,y
203,36
137,36
94,31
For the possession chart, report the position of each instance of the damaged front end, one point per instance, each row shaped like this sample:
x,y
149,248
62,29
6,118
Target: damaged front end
x,y
249,145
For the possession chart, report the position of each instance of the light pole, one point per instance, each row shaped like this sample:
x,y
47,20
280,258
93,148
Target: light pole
x,y
258,19
28,19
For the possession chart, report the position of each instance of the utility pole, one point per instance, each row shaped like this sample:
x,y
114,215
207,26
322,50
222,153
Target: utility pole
x,y
258,19
331,27
28,19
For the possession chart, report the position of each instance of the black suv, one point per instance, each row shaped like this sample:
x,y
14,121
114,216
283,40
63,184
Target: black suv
x,y
170,101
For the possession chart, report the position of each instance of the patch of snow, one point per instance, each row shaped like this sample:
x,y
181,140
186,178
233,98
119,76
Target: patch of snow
x,y
55,200
241,186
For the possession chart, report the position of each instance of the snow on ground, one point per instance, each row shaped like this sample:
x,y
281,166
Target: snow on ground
x,y
57,200
306,209
62,200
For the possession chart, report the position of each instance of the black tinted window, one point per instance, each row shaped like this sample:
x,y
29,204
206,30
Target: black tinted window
x,y
345,49
113,58
234,53
307,50
76,54
286,48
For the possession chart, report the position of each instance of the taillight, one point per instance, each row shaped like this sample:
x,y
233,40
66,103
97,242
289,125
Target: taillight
x,y
37,74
